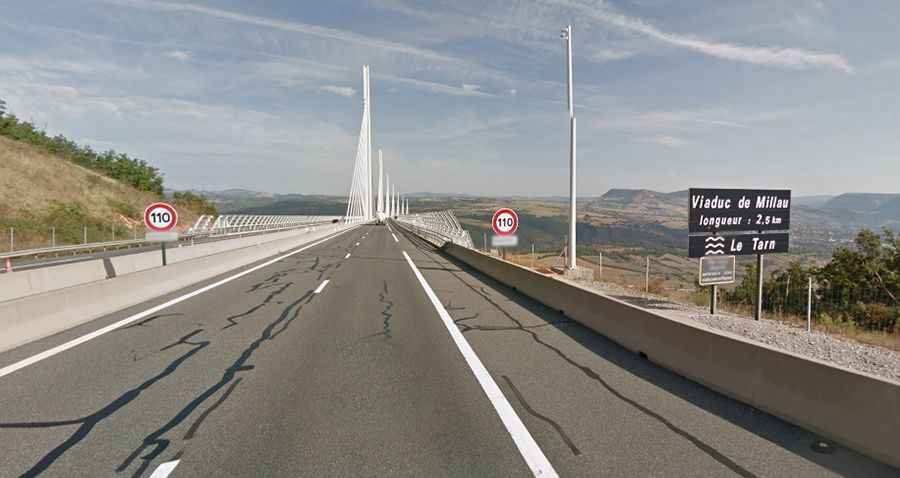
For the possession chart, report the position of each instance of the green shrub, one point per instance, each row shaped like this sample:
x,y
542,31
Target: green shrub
x,y
118,166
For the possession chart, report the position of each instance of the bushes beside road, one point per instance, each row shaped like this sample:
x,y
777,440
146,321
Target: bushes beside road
x,y
860,285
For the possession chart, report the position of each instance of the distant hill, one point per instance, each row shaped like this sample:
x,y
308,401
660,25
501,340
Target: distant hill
x,y
811,201
873,210
301,205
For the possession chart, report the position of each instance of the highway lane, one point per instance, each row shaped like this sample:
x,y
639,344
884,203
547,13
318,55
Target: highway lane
x,y
263,376
597,409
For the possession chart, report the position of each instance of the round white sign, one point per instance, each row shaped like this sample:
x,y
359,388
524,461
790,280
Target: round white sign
x,y
160,217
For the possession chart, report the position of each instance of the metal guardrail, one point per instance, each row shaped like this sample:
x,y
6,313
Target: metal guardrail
x,y
70,248
439,227
205,227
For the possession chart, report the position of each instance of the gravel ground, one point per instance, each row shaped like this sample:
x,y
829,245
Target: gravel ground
x,y
819,345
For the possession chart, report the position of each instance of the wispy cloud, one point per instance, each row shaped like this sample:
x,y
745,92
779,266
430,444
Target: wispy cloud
x,y
668,141
291,26
345,91
180,55
464,90
783,57
606,54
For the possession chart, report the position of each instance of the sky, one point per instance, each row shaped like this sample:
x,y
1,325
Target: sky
x,y
468,95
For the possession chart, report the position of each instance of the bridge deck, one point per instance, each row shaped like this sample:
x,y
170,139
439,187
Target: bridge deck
x,y
263,376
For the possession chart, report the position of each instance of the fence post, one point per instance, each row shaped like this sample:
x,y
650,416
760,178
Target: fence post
x,y
809,306
647,277
52,237
84,231
12,239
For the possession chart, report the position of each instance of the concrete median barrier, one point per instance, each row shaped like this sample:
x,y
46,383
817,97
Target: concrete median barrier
x,y
25,283
30,318
859,411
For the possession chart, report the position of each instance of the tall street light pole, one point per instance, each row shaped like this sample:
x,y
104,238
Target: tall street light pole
x,y
570,256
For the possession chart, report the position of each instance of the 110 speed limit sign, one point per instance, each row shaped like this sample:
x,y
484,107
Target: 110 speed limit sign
x,y
160,217
505,222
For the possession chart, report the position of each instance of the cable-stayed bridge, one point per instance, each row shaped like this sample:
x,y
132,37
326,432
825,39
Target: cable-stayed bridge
x,y
381,343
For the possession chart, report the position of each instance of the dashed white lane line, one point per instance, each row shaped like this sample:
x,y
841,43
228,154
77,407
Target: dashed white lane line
x,y
163,470
347,256
395,237
321,286
357,243
528,448
109,328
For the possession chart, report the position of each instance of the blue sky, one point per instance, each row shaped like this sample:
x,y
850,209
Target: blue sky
x,y
470,97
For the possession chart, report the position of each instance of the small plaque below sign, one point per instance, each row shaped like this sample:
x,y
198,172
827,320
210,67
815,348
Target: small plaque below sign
x,y
504,241
170,236
716,270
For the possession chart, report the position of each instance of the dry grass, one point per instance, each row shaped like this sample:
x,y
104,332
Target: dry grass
x,y
35,187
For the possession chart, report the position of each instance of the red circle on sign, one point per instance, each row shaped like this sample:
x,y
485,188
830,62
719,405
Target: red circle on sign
x,y
160,217
505,222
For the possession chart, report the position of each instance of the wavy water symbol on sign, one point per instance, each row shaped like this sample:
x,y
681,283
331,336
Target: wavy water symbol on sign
x,y
715,245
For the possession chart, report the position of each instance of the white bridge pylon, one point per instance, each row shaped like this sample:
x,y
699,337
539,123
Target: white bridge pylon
x,y
360,205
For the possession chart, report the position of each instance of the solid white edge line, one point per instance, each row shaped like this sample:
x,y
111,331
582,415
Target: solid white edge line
x,y
109,328
528,448
395,237
164,469
321,286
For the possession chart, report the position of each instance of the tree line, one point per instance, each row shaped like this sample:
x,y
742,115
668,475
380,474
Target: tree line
x,y
118,166
860,284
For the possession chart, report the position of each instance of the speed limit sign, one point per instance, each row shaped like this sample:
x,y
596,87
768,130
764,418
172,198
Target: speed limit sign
x,y
160,217
505,222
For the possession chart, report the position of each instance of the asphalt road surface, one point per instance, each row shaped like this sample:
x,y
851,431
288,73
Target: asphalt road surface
x,y
371,354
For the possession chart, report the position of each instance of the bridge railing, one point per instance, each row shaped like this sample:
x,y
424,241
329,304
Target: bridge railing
x,y
240,223
438,227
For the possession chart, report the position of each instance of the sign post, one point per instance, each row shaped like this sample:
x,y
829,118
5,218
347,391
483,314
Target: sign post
x,y
713,211
505,223
161,218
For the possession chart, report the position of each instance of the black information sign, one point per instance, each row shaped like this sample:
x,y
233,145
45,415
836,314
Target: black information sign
x,y
737,244
711,210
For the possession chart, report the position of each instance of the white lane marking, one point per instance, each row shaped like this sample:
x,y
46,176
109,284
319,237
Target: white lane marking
x,y
357,243
109,328
163,470
347,256
395,237
321,286
528,448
